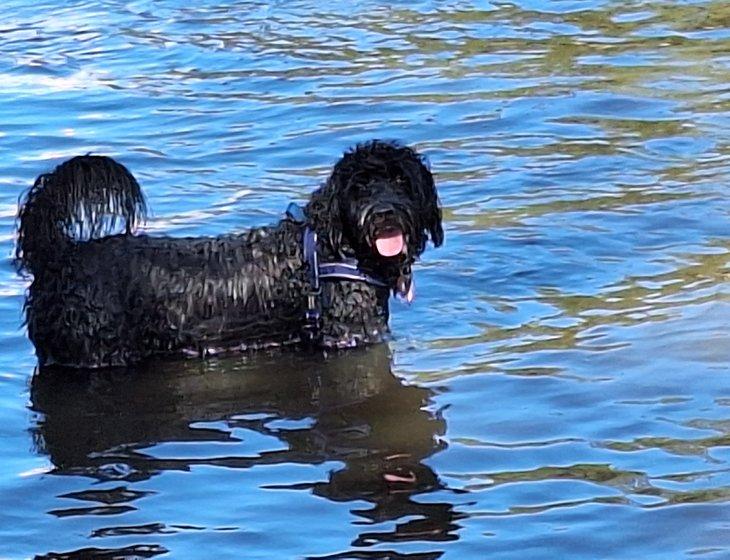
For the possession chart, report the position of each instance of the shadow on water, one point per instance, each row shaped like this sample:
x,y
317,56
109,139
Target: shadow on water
x,y
348,409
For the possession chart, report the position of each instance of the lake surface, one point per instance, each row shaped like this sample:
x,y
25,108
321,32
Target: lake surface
x,y
560,387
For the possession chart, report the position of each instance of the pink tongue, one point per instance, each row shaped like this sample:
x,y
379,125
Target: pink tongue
x,y
390,245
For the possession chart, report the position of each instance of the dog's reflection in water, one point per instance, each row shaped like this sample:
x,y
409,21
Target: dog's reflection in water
x,y
352,409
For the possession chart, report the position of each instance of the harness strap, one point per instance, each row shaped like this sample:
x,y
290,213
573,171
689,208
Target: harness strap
x,y
347,269
312,313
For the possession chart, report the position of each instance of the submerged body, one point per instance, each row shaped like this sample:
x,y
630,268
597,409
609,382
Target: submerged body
x,y
159,295
115,300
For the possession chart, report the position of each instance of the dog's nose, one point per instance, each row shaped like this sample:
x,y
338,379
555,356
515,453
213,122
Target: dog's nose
x,y
383,211
378,213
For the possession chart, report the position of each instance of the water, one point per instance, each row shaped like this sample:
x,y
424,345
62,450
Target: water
x,y
559,388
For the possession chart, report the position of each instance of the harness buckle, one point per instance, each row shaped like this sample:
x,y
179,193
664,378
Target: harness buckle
x,y
312,319
312,299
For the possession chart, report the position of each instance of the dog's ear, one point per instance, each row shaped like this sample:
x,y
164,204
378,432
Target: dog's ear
x,y
434,225
416,171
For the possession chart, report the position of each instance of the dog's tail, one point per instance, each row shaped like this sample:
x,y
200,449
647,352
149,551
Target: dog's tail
x,y
84,198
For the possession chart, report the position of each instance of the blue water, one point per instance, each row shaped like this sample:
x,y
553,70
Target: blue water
x,y
559,389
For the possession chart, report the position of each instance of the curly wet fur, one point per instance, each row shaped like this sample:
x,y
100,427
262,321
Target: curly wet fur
x,y
105,300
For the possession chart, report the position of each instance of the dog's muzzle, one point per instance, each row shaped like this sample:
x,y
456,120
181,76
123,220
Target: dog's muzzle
x,y
385,230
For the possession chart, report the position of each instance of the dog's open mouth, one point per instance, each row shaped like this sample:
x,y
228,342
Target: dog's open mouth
x,y
389,242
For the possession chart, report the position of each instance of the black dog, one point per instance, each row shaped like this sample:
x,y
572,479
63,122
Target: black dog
x,y
322,276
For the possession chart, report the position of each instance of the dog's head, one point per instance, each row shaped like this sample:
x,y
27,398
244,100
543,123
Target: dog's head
x,y
379,205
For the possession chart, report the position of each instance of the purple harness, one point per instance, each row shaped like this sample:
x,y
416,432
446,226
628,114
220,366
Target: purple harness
x,y
346,269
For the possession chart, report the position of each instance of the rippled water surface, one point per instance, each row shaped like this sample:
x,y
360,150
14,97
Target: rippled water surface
x,y
558,390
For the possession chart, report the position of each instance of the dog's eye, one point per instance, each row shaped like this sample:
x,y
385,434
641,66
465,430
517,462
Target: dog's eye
x,y
359,190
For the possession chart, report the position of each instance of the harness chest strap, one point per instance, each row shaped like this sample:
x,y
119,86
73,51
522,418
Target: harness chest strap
x,y
344,269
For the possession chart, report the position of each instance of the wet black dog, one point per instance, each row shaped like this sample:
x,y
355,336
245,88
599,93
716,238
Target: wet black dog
x,y
322,276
